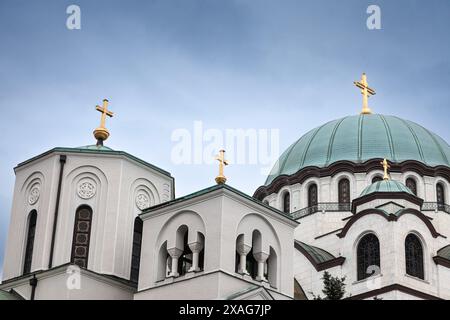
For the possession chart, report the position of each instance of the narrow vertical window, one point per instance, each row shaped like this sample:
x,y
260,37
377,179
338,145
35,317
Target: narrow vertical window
x,y
344,191
287,202
312,195
440,195
367,256
136,252
411,184
32,218
414,256
81,236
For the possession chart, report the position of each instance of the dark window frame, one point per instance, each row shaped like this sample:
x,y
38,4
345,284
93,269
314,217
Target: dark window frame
x,y
414,263
29,247
74,258
367,255
136,249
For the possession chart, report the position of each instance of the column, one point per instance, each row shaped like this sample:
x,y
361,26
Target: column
x,y
175,254
195,247
261,258
243,250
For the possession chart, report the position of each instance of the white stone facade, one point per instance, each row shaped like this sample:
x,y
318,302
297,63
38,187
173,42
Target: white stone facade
x,y
113,185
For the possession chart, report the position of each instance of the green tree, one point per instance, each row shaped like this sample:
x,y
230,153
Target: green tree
x,y
333,287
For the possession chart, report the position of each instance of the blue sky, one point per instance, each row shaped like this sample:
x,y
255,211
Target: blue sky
x,y
164,64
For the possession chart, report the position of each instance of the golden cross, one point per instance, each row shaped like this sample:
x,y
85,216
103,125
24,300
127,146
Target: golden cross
x,y
221,179
105,112
366,92
386,166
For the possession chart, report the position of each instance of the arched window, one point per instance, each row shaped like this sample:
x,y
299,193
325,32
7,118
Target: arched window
x,y
344,191
81,236
414,256
164,263
411,184
368,256
136,251
32,218
287,202
272,268
312,195
376,179
440,194
185,260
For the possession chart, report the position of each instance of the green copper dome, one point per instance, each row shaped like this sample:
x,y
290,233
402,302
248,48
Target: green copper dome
x,y
386,186
360,138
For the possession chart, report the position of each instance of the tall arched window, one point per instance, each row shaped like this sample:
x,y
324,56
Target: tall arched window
x,y
32,218
414,256
440,194
344,191
81,236
376,179
411,184
287,202
312,195
368,256
136,251
185,260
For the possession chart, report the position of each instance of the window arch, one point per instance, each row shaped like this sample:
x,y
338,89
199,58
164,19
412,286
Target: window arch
x,y
81,236
136,251
367,256
412,185
414,256
377,179
344,191
287,202
32,219
440,194
312,195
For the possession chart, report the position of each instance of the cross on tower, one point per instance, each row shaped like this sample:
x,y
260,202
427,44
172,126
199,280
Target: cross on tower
x,y
386,166
101,133
366,92
221,179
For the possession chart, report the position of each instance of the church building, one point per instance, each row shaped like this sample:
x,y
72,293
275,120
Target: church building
x,y
363,197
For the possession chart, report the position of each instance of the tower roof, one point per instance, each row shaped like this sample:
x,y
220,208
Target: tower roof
x,y
386,186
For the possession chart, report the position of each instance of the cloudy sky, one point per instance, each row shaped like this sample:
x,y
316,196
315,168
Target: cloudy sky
x,y
235,64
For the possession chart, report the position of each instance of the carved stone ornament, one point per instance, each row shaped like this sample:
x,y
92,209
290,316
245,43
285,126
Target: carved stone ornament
x,y
142,201
86,190
33,197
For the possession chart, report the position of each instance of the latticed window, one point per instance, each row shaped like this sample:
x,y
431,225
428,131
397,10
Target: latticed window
x,y
440,195
81,236
287,202
376,179
136,252
32,218
312,195
368,256
414,256
411,184
344,191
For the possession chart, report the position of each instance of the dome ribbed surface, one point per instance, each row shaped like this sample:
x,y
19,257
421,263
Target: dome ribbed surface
x,y
386,186
360,138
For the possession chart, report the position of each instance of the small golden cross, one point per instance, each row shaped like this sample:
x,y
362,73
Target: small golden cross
x,y
221,179
366,92
386,166
101,133
105,112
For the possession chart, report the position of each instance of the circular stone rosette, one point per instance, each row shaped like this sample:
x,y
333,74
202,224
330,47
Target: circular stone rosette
x,y
142,201
86,190
33,197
